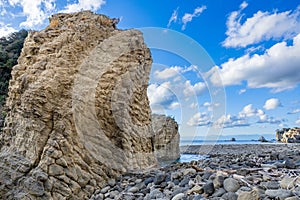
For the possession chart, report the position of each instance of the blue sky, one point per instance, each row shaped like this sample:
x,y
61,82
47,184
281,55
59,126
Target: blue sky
x,y
252,47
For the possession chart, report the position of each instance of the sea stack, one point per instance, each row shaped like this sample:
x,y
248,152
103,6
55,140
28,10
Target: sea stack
x,y
166,138
78,112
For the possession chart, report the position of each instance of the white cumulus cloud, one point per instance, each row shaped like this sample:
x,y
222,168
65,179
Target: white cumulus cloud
x,y
188,17
35,11
92,5
168,72
298,121
272,104
174,71
162,95
230,121
196,89
6,29
270,120
210,106
249,111
261,26
277,68
200,119
248,116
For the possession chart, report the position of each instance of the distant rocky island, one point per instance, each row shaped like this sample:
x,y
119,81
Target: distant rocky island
x,y
288,135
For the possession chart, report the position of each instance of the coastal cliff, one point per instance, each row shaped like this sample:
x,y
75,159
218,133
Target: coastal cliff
x,y
78,112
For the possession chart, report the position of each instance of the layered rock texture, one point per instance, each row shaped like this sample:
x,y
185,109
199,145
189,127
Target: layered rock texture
x,y
288,135
166,138
78,112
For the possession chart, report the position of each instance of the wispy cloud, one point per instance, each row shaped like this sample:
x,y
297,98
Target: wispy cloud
x,y
194,105
261,26
294,111
242,91
173,18
188,17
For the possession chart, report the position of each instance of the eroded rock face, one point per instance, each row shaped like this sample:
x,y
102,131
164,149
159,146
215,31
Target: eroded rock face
x,y
288,135
2,116
78,111
166,138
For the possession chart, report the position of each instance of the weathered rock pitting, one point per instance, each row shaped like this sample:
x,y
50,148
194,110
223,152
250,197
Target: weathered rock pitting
x,y
78,113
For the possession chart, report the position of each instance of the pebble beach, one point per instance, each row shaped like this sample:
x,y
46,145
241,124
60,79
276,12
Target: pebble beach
x,y
229,172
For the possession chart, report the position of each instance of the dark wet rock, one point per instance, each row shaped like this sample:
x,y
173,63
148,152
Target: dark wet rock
x,y
262,139
219,192
184,182
230,196
218,181
148,180
206,175
159,178
208,188
290,164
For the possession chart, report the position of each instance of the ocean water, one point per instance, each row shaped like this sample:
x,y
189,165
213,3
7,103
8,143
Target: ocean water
x,y
191,157
203,142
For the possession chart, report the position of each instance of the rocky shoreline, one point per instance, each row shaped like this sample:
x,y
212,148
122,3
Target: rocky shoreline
x,y
243,172
239,149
